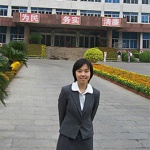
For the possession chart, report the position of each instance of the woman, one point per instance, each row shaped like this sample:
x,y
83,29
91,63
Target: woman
x,y
77,105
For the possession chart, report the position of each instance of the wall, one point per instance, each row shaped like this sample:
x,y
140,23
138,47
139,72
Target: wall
x,y
67,53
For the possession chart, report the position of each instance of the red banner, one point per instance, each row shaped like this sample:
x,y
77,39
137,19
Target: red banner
x,y
72,20
29,17
115,22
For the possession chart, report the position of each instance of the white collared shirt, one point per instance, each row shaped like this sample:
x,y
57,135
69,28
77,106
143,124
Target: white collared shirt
x,y
89,89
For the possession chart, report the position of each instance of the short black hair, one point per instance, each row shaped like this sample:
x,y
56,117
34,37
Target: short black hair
x,y
78,64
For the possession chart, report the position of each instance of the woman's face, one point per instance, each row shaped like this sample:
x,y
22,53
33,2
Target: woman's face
x,y
83,74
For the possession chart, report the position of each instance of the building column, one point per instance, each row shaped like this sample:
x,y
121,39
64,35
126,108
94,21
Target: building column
x,y
120,41
9,8
120,38
8,35
141,41
29,6
77,39
53,38
109,37
26,33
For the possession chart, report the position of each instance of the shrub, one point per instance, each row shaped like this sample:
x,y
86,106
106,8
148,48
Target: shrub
x,y
144,57
20,46
13,55
123,55
126,58
136,55
36,50
111,52
3,82
134,51
93,55
4,65
35,38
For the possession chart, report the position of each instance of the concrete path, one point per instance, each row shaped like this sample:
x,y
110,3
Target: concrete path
x,y
30,120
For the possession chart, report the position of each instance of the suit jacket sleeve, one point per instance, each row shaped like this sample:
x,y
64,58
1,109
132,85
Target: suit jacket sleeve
x,y
62,102
96,103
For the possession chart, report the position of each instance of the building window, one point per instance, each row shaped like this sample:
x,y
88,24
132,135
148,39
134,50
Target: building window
x,y
131,17
146,40
145,18
3,31
90,13
112,1
111,14
115,39
18,9
41,10
130,1
145,1
129,40
16,33
3,10
66,11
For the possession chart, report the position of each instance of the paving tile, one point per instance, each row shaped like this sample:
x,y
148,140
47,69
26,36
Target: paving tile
x,y
30,120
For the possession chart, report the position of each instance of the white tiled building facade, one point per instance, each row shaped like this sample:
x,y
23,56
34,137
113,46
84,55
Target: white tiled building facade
x,y
133,31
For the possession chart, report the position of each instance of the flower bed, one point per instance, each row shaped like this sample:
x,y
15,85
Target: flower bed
x,y
135,82
9,75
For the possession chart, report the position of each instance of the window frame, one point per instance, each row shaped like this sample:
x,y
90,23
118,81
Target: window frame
x,y
18,9
3,10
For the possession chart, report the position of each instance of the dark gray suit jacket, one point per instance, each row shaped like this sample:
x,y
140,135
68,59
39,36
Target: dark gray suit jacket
x,y
71,118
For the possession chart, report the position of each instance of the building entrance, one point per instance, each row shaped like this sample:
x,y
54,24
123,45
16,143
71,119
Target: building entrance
x,y
68,38
65,40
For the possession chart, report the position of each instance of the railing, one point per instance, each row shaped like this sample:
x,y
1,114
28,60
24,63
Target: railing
x,y
119,45
18,39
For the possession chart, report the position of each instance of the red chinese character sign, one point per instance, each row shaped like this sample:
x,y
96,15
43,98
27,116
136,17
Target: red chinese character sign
x,y
115,22
29,17
72,20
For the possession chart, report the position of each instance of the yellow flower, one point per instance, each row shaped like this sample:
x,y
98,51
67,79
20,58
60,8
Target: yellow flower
x,y
15,65
5,76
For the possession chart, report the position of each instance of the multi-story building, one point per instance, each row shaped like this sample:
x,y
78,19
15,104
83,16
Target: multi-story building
x,y
77,23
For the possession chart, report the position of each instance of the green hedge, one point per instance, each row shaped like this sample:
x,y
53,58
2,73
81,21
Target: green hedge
x,y
144,57
111,52
36,50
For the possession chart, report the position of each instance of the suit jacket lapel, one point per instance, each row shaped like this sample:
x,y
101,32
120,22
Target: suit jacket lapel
x,y
76,100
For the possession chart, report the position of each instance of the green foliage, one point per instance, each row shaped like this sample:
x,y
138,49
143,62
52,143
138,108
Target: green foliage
x,y
13,55
4,64
3,81
135,51
123,55
126,58
93,55
7,56
3,93
111,52
35,38
144,57
136,55
20,46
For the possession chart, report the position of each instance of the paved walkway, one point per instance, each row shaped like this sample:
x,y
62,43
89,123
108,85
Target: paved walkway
x,y
30,120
